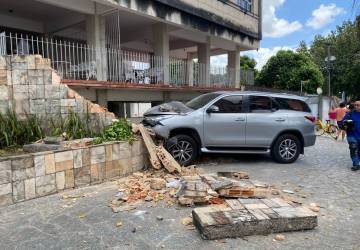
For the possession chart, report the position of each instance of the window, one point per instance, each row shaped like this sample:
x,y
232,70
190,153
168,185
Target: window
x,y
230,104
292,104
245,5
260,104
201,101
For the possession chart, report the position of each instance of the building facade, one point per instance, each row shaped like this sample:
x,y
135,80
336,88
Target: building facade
x,y
120,53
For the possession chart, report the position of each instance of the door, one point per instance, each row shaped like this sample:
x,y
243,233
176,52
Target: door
x,y
225,125
264,121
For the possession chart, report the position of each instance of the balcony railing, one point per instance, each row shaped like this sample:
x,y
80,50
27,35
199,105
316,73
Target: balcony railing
x,y
79,61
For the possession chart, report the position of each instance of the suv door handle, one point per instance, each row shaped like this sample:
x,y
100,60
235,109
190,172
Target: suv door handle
x,y
280,119
240,119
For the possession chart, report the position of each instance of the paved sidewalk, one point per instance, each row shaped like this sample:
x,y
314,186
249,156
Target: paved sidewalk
x,y
323,175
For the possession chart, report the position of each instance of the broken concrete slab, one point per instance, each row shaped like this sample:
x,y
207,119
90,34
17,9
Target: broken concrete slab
x,y
246,217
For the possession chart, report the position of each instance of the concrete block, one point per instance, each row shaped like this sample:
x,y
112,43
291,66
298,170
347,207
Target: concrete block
x,y
45,185
216,222
5,189
60,180
42,63
124,166
97,154
49,163
5,172
63,90
22,162
52,106
52,92
77,154
30,60
4,93
3,63
22,174
37,107
69,179
64,160
116,151
4,106
108,153
37,91
20,92
19,77
125,146
22,106
18,188
97,173
82,176
86,159
47,74
35,80
111,170
39,163
29,188
67,105
135,148
3,77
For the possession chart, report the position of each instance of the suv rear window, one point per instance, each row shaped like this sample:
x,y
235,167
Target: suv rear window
x,y
292,104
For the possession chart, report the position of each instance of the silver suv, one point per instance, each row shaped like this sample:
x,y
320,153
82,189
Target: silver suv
x,y
235,122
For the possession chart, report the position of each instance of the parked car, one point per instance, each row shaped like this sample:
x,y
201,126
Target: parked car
x,y
235,122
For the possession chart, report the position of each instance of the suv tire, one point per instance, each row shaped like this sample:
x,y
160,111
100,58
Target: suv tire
x,y
183,148
286,148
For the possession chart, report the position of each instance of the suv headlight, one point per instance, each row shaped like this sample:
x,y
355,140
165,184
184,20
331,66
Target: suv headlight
x,y
155,120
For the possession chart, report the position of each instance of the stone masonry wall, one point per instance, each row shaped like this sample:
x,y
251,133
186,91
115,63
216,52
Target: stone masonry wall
x,y
31,86
35,175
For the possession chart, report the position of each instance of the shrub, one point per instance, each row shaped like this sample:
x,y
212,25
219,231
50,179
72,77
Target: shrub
x,y
74,126
117,131
15,132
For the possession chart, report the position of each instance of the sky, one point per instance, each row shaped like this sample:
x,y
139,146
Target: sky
x,y
287,22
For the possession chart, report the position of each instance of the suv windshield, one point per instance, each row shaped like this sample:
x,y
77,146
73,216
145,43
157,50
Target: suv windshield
x,y
201,101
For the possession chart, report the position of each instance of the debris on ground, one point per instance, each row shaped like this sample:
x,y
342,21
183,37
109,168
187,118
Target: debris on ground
x,y
186,221
119,224
279,237
233,205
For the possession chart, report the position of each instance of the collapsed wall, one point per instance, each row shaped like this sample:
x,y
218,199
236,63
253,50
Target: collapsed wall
x,y
29,85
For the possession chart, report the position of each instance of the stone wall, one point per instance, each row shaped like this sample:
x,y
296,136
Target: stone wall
x,y
35,175
31,86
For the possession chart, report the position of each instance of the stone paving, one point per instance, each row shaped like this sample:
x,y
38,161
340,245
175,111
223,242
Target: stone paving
x,y
323,176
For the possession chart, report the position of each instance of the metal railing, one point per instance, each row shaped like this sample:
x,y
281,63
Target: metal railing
x,y
80,61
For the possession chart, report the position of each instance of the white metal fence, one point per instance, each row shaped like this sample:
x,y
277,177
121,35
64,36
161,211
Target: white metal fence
x,y
78,61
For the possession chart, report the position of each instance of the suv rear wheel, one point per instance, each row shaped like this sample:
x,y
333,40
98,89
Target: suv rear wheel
x,y
183,148
286,148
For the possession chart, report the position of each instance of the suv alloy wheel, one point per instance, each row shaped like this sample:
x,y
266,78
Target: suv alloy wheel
x,y
286,148
183,148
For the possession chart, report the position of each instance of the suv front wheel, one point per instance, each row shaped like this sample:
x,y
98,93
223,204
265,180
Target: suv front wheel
x,y
183,148
286,148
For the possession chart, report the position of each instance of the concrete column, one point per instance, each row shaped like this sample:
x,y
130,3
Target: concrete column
x,y
161,47
95,30
234,67
101,97
190,70
203,50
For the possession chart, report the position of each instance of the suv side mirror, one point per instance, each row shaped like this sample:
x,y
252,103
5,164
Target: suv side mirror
x,y
212,109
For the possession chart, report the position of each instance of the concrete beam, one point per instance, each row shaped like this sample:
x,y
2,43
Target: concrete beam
x,y
82,6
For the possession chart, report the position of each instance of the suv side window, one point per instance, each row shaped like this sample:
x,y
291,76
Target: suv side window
x,y
261,104
230,104
292,104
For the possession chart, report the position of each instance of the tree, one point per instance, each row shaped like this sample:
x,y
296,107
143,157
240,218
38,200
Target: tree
x,y
247,63
287,69
302,48
345,46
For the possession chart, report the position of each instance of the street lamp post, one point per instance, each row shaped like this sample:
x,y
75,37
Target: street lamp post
x,y
301,85
319,91
329,59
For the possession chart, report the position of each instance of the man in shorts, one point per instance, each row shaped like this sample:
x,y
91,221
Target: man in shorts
x,y
340,113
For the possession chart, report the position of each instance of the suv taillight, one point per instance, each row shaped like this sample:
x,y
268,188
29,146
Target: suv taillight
x,y
310,118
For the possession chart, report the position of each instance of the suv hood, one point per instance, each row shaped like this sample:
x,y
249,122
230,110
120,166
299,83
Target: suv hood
x,y
169,108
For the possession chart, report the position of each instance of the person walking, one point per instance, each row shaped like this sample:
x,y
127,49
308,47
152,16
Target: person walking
x,y
351,123
340,114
